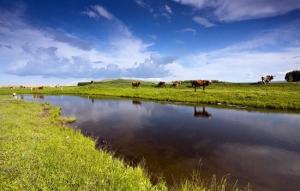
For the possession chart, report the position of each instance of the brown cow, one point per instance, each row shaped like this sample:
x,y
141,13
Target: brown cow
x,y
37,88
199,83
135,84
176,83
161,84
202,114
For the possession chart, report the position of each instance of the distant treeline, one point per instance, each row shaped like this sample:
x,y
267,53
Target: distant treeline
x,y
293,76
84,83
87,83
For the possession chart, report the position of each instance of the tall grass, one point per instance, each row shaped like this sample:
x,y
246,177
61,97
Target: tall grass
x,y
199,183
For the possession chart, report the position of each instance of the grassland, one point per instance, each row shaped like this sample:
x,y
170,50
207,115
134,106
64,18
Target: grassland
x,y
39,152
284,96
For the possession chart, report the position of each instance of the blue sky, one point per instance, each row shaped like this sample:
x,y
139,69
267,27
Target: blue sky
x,y
62,42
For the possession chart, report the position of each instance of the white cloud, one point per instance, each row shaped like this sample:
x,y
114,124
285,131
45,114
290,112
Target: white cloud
x,y
203,21
97,11
236,66
144,5
165,11
274,52
194,3
141,3
237,10
31,51
168,9
191,30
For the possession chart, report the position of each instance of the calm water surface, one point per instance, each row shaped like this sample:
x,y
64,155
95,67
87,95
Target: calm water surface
x,y
173,140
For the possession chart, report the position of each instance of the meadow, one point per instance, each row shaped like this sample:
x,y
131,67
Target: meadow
x,y
283,96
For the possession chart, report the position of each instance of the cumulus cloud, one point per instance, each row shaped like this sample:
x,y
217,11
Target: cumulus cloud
x,y
153,67
272,52
61,36
236,66
203,21
237,10
31,51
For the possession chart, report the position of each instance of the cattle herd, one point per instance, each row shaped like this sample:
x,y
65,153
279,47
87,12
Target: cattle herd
x,y
195,84
198,83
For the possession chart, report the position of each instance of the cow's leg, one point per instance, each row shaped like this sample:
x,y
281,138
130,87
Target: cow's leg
x,y
203,88
195,88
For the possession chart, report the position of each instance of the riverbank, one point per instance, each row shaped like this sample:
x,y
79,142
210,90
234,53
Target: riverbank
x,y
39,152
283,96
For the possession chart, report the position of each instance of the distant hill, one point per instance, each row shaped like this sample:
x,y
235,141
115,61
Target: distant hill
x,y
115,82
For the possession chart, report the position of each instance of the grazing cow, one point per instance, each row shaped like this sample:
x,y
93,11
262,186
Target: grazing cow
x,y
201,114
176,83
37,88
161,84
199,83
135,84
267,79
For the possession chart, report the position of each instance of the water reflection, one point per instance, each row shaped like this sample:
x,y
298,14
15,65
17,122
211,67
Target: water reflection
x,y
91,98
37,96
136,102
261,148
201,114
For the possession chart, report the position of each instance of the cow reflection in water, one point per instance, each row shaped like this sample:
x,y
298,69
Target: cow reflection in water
x,y
136,102
92,99
37,96
201,114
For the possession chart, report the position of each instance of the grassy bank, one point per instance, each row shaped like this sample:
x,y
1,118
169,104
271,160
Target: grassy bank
x,y
38,152
272,96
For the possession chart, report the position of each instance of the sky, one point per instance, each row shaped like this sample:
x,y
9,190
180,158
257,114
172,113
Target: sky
x,y
63,41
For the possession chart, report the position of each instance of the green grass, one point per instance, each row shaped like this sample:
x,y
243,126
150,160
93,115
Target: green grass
x,y
38,152
285,96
